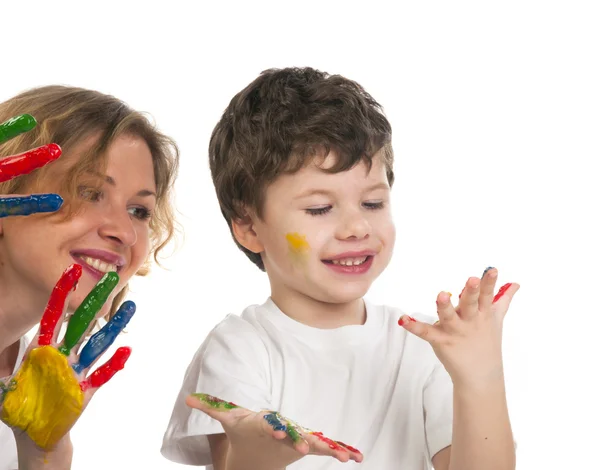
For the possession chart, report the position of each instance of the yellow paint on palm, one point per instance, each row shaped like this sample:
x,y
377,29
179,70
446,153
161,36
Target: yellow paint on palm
x,y
47,399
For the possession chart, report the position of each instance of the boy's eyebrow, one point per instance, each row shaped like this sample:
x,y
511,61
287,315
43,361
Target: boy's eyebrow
x,y
325,192
110,180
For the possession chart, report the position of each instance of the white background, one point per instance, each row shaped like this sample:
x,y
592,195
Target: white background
x,y
495,108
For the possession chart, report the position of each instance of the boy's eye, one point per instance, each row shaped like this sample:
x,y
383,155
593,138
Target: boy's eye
x,y
89,194
140,213
373,205
318,210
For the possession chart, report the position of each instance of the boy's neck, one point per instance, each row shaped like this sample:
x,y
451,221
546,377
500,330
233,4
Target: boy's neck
x,y
319,314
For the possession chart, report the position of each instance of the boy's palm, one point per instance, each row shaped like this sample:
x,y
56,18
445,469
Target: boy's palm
x,y
268,435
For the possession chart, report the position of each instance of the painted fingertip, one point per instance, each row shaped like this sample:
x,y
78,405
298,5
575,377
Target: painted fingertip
x,y
16,126
214,402
486,270
501,292
116,363
49,202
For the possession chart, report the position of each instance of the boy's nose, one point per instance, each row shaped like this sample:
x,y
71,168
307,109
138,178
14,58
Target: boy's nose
x,y
354,226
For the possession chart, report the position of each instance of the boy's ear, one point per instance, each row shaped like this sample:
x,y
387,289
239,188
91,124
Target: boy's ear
x,y
243,231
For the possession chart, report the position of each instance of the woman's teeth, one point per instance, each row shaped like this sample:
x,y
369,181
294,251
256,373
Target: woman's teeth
x,y
350,261
99,265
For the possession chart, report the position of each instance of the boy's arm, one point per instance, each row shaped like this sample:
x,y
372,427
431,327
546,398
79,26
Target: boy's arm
x,y
481,431
468,342
441,460
482,435
219,445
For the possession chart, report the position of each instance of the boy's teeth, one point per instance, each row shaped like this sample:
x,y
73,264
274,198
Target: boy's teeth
x,y
100,265
350,261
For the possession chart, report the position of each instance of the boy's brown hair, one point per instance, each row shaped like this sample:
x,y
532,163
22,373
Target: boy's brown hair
x,y
280,123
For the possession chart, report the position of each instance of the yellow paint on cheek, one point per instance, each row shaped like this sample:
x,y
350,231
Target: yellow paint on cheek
x,y
298,245
47,400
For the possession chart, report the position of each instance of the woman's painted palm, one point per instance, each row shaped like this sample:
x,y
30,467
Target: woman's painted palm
x,y
52,387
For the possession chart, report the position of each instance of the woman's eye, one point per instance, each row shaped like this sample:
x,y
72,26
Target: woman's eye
x,y
140,213
90,194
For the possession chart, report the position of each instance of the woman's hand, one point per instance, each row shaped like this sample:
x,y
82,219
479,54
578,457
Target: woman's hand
x,y
52,387
17,165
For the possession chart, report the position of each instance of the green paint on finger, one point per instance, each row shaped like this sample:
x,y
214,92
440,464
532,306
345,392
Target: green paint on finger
x,y
86,312
215,402
15,126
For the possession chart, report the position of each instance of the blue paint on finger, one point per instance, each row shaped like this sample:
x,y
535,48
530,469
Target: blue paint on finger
x,y
101,341
486,270
274,421
27,205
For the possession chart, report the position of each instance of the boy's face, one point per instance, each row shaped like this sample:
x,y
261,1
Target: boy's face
x,y
326,236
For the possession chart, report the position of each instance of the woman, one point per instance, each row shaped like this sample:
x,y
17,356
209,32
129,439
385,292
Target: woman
x,y
116,176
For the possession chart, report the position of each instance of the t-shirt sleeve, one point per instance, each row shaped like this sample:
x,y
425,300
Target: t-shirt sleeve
x,y
437,403
231,364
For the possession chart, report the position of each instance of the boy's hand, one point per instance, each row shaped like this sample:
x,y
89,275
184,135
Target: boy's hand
x,y
468,339
51,388
266,439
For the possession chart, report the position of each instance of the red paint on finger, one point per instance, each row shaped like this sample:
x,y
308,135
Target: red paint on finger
x,y
56,303
350,448
24,163
403,321
332,445
106,372
502,291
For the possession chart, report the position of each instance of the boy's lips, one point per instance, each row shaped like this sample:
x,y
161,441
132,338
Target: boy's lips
x,y
351,254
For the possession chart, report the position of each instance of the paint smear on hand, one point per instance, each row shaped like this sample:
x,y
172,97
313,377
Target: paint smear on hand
x,y
215,402
47,399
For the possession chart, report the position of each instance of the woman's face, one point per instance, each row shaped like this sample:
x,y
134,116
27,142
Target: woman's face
x,y
110,233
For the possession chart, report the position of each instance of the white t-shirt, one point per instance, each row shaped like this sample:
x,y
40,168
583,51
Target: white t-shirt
x,y
8,446
374,386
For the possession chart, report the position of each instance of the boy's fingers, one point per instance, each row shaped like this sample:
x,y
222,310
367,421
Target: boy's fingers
x,y
86,312
101,341
445,309
27,205
469,300
56,304
427,332
214,407
486,291
505,295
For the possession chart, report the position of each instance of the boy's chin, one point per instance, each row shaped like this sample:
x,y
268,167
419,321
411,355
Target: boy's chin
x,y
346,294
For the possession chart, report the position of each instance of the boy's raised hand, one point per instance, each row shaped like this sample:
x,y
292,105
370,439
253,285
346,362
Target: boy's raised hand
x,y
266,439
468,339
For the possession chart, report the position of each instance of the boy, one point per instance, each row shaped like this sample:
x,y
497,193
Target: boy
x,y
302,165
